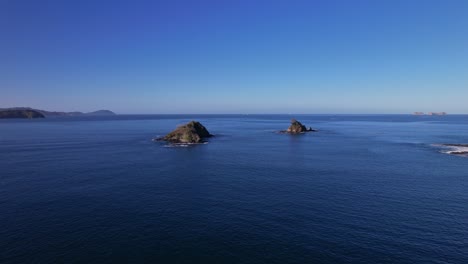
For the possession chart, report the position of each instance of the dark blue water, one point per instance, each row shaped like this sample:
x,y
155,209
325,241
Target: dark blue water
x,y
365,189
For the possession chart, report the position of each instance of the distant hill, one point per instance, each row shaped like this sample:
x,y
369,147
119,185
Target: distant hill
x,y
54,113
20,113
101,113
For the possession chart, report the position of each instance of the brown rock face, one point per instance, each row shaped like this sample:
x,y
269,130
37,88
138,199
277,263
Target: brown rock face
x,y
296,127
192,132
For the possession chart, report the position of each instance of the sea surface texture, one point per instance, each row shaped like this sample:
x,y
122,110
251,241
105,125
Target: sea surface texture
x,y
364,189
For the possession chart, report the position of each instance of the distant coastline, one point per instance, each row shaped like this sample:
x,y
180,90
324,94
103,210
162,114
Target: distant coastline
x,y
16,113
29,113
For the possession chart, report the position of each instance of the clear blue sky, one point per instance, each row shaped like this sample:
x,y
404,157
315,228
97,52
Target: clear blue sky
x,y
394,56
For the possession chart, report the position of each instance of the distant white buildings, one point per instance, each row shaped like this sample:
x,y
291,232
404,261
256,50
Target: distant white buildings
x,y
431,113
438,114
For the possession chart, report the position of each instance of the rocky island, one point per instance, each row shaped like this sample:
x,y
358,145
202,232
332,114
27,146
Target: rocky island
x,y
297,127
192,132
18,113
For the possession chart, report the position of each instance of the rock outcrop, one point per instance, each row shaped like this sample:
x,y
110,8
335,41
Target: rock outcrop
x,y
26,113
296,128
192,132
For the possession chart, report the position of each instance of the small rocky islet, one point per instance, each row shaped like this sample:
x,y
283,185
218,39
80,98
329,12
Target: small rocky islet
x,y
297,127
191,133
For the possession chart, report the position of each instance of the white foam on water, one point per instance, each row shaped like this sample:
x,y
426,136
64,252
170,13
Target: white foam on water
x,y
453,149
176,145
183,145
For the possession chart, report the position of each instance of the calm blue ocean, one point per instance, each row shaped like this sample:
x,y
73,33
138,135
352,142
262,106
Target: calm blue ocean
x,y
365,189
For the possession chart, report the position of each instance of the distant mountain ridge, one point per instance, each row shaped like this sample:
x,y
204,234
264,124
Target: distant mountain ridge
x,y
55,113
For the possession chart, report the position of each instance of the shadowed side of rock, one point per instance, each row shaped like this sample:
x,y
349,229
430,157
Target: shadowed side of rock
x,y
192,132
